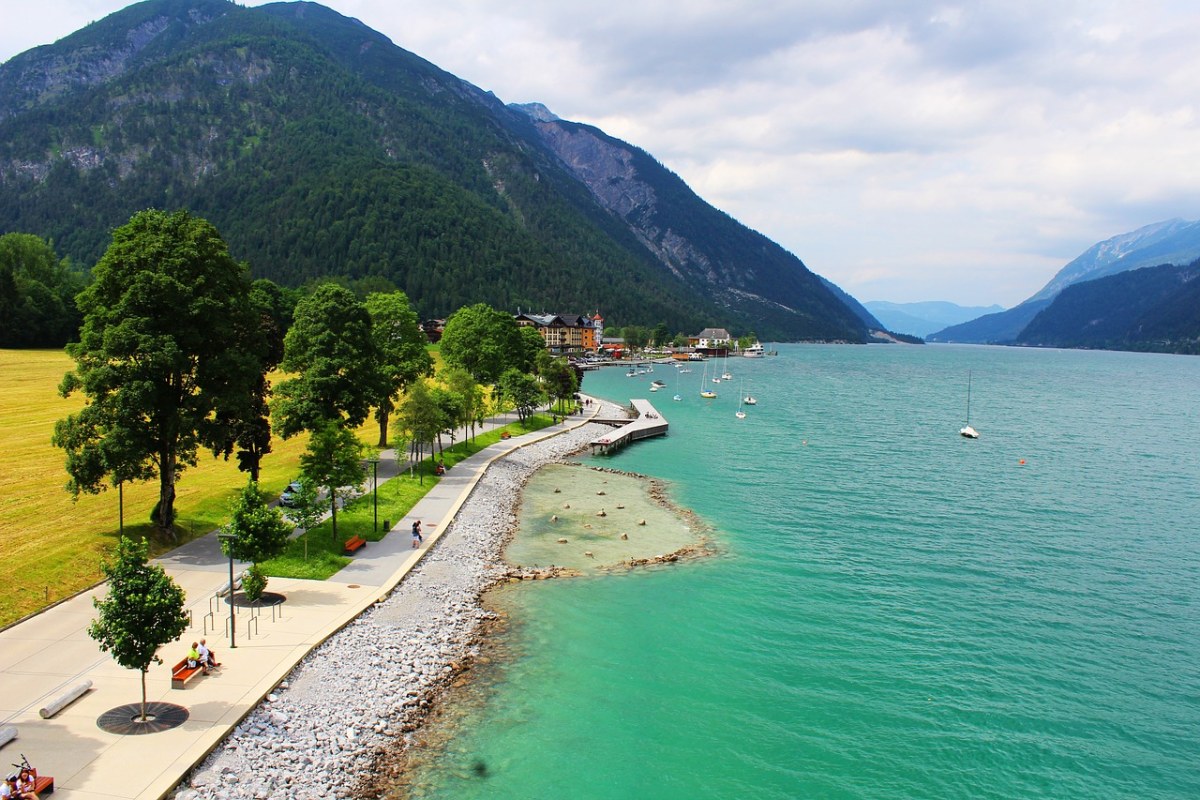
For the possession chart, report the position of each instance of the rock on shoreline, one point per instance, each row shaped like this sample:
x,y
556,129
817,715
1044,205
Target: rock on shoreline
x,y
368,687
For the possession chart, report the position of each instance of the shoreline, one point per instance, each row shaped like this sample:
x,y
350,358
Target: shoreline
x,y
329,727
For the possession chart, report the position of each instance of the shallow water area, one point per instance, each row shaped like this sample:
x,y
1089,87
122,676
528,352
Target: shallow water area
x,y
592,509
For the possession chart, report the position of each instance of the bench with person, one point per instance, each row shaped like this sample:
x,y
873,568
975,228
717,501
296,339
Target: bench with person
x,y
353,543
182,673
198,661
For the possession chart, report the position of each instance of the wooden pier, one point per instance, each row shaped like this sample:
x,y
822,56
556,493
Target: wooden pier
x,y
647,422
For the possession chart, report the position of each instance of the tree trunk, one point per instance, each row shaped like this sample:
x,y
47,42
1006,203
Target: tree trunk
x,y
143,717
383,417
165,510
333,510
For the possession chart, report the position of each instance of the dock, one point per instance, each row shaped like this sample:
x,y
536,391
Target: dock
x,y
645,423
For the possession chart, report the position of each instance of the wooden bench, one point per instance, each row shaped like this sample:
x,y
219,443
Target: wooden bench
x,y
353,543
43,784
181,673
505,435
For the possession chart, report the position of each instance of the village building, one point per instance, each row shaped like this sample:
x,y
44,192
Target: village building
x,y
566,334
711,341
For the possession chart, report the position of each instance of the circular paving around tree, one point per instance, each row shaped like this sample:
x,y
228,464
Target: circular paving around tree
x,y
126,720
267,600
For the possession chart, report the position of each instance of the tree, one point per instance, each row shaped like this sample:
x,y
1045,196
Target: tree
x,y
532,345
400,343
558,379
331,349
483,341
523,391
422,420
259,532
636,337
661,336
249,428
461,383
333,460
143,610
306,510
159,357
450,408
37,294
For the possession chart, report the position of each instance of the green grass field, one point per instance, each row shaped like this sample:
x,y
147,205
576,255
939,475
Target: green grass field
x,y
52,546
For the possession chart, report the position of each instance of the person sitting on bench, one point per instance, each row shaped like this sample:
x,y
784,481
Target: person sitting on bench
x,y
207,658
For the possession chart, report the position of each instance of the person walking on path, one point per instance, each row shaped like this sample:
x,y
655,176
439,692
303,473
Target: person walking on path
x,y
416,531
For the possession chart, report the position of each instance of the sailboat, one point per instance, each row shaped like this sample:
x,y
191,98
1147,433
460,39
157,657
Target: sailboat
x,y
749,399
707,394
725,376
740,414
967,431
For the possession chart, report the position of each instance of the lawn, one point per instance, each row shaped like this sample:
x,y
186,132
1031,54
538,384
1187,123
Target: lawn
x,y
53,545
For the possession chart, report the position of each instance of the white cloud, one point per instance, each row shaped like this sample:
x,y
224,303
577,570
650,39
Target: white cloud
x,y
908,151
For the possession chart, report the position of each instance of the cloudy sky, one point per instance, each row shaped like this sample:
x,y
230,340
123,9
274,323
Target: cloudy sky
x,y
906,150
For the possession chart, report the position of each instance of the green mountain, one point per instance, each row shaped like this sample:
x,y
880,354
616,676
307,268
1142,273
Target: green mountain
x,y
1154,309
318,148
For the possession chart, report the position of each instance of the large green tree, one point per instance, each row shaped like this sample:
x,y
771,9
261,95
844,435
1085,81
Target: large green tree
x,y
459,381
483,341
143,610
249,427
400,344
331,350
159,358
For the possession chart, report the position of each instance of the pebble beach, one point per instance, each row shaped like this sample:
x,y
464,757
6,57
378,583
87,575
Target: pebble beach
x,y
335,724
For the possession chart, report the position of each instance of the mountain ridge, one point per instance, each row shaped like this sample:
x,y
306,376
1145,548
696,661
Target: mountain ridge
x,y
319,148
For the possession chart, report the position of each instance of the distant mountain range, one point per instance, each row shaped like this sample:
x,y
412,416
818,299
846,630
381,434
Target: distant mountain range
x,y
320,149
922,319
1174,242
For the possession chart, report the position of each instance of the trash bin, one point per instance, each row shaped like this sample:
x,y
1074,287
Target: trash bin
x,y
387,524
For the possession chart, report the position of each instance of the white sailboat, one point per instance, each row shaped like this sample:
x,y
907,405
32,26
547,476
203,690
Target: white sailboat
x,y
740,414
749,399
707,394
967,431
725,376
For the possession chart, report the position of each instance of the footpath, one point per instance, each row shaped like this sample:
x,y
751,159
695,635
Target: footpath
x,y
45,657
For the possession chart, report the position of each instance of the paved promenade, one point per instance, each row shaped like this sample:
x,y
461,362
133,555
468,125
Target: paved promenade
x,y
48,654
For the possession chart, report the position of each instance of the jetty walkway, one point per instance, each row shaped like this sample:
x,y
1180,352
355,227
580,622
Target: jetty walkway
x,y
647,422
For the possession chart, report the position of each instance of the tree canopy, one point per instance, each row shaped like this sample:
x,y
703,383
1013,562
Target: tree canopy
x,y
143,610
37,294
484,341
331,349
161,357
400,344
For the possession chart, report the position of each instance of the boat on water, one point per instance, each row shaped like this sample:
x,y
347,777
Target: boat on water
x,y
725,374
755,350
658,383
750,400
740,413
677,398
707,394
967,431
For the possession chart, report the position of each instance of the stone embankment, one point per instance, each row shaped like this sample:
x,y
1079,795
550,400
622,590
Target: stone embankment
x,y
367,688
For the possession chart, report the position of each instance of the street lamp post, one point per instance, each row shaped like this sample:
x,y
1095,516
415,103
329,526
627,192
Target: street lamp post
x,y
227,540
121,506
375,489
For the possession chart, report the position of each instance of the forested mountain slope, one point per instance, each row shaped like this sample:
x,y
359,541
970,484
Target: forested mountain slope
x,y
318,148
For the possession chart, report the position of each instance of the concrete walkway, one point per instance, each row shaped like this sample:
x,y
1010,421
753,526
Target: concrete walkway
x,y
45,656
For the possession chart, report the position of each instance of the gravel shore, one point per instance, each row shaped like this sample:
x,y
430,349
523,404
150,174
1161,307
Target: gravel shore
x,y
316,736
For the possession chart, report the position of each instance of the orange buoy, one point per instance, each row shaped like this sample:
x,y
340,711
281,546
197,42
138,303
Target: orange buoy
x,y
1021,462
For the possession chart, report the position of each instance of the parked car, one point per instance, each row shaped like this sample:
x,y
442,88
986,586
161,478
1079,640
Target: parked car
x,y
288,498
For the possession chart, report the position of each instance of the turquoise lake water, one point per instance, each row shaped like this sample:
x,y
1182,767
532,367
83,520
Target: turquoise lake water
x,y
897,612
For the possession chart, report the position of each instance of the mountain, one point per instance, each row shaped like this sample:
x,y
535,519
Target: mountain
x,y
1151,309
319,148
1171,242
922,319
